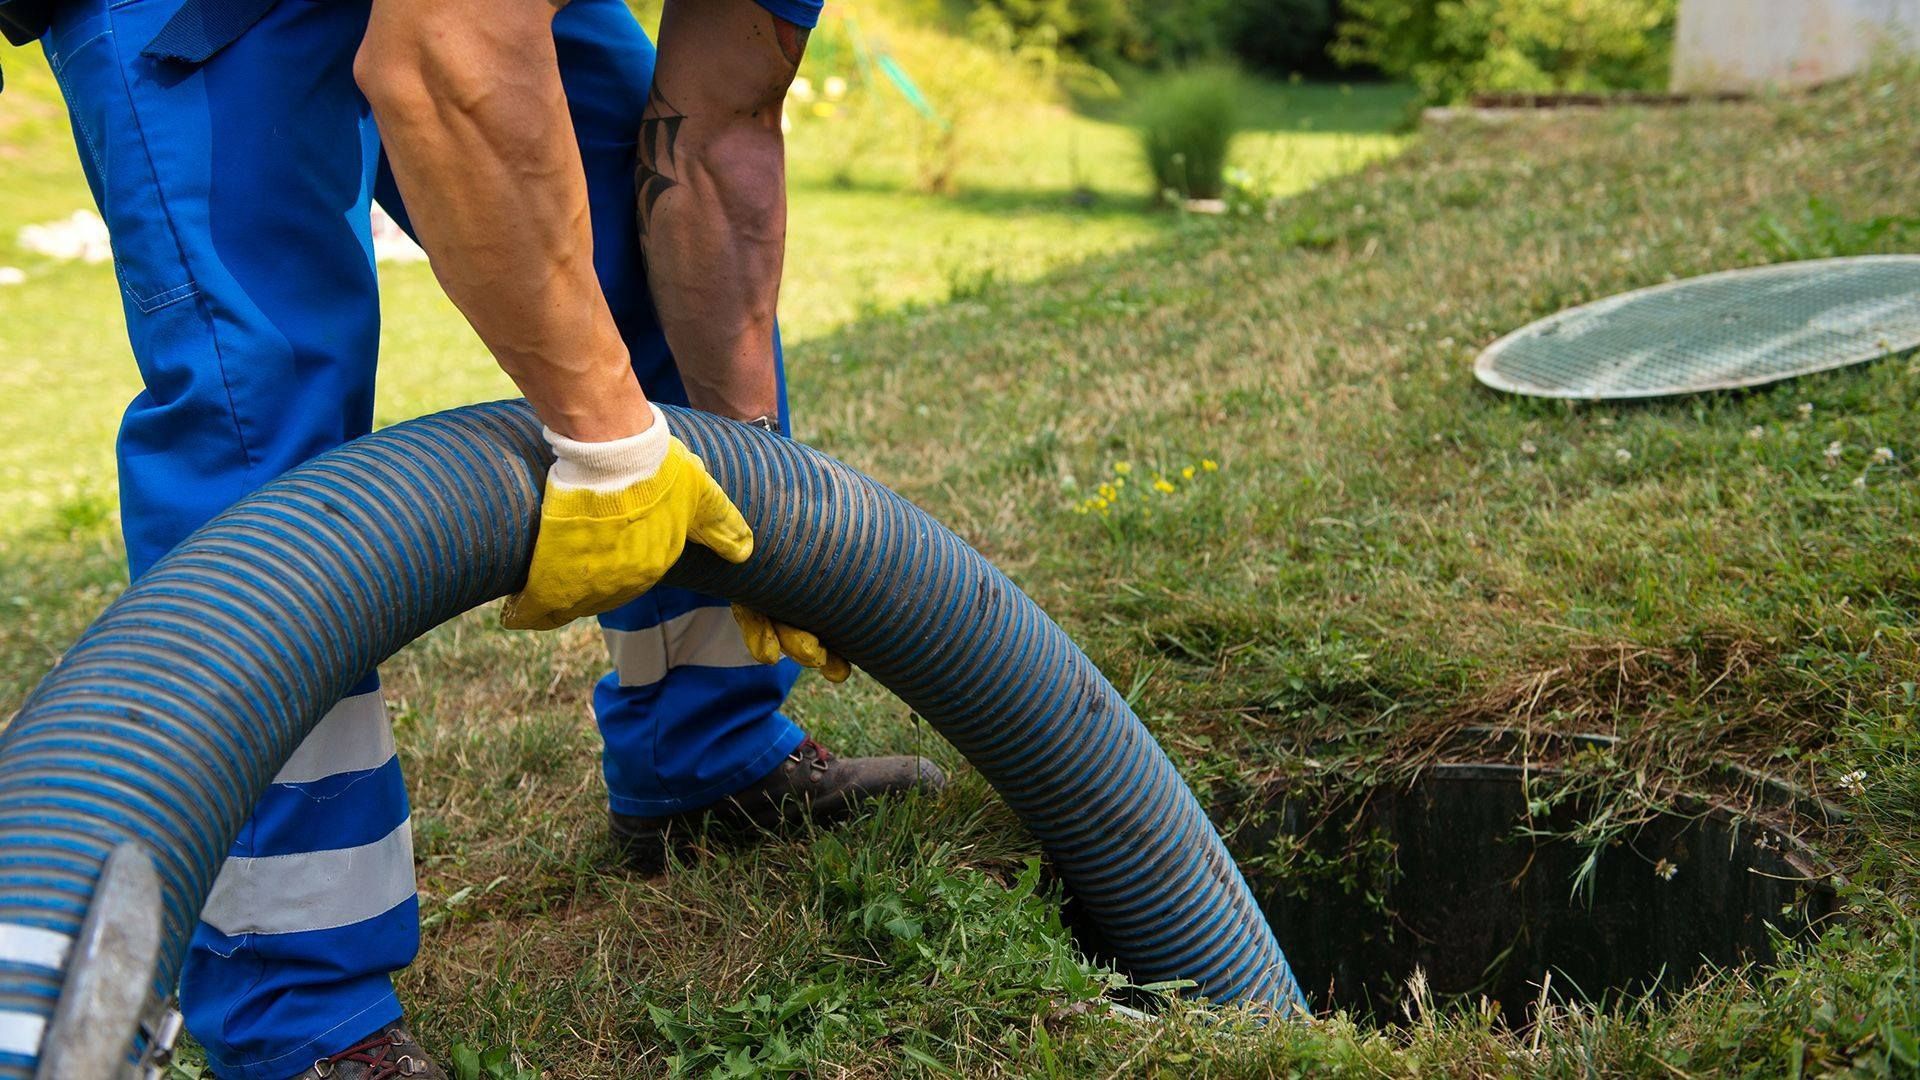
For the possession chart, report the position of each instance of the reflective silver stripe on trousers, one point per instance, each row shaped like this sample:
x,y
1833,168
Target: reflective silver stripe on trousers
x,y
34,946
312,890
354,736
21,1033
703,637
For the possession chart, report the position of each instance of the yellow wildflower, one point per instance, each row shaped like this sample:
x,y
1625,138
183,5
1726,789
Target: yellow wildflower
x,y
1160,484
1123,467
1186,473
1209,465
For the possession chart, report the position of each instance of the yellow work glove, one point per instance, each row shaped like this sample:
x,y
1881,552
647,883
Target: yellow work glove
x,y
615,518
767,639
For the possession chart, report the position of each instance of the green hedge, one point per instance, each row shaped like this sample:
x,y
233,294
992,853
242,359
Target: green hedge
x,y
1278,36
1451,48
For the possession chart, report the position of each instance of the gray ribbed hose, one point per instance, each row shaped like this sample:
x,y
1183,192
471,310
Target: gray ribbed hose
x,y
169,717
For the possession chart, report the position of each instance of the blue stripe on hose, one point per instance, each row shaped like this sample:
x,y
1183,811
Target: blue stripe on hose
x,y
170,716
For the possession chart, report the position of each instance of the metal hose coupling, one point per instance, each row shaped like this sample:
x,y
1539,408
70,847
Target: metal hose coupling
x,y
108,1022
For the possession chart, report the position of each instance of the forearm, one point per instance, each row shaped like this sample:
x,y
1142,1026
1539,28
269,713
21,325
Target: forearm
x,y
711,184
474,121
714,238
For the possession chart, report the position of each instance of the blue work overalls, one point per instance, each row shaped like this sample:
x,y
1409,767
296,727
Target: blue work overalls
x,y
237,191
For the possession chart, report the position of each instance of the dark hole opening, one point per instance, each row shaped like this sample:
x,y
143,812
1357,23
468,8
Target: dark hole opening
x,y
1451,876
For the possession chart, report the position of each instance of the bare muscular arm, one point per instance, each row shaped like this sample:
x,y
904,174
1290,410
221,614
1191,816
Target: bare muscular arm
x,y
712,192
468,98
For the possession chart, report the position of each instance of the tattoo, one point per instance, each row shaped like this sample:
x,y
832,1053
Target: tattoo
x,y
792,39
656,173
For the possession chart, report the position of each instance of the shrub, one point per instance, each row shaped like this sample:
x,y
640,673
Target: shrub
x,y
1102,31
1186,122
1184,32
1276,36
1281,36
852,109
1451,48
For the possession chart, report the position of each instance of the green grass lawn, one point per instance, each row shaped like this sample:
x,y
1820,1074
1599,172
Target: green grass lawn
x,y
1387,554
860,244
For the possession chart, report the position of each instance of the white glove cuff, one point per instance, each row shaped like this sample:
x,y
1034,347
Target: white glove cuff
x,y
609,466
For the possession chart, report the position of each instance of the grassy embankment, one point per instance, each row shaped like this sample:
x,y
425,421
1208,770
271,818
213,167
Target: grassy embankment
x,y
1387,553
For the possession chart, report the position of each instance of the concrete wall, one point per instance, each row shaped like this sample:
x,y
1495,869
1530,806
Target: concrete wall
x,y
1751,44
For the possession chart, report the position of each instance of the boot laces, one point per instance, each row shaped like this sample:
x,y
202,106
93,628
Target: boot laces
x,y
812,754
378,1054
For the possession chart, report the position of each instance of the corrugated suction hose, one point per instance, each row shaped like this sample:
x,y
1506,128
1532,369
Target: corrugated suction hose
x,y
168,718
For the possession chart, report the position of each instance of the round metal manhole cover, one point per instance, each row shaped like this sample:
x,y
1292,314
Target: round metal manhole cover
x,y
1717,332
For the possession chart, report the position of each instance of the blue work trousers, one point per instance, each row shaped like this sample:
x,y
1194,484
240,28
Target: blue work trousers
x,y
238,194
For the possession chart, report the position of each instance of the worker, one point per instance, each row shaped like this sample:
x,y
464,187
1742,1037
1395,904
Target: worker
x,y
612,224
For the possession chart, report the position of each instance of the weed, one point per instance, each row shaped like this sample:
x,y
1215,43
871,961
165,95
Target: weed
x,y
497,1063
83,513
1127,501
969,280
1821,231
1186,123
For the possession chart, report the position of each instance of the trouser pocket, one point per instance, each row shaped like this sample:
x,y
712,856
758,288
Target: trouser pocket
x,y
91,65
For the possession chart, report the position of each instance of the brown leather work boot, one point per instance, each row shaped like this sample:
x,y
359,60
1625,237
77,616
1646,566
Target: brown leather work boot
x,y
810,785
387,1054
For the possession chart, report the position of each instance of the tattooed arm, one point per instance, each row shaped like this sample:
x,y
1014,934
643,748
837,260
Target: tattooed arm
x,y
712,191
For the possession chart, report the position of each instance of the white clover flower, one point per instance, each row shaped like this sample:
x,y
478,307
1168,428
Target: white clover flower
x,y
1859,481
1664,870
1756,432
1806,409
1882,455
1527,447
1855,782
1623,455
1834,450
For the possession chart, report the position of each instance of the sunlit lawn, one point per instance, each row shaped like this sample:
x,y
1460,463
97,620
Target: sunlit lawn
x,y
853,250
1387,556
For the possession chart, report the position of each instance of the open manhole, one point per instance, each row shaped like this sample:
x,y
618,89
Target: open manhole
x,y
1470,876
1454,877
